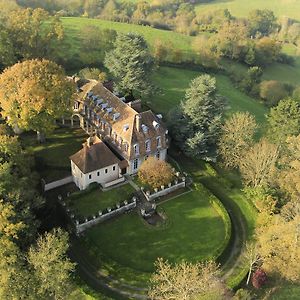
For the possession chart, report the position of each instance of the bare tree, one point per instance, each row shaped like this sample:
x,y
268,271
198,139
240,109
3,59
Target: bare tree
x,y
236,137
258,165
253,258
185,281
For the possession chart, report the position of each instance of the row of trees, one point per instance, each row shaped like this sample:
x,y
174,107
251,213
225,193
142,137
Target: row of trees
x,y
31,266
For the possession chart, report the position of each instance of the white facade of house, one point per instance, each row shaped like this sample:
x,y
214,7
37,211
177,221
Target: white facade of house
x,y
101,176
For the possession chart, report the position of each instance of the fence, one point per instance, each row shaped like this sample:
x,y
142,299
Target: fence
x,y
171,187
54,184
102,216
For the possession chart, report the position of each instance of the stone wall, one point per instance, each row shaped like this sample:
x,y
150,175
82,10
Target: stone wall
x,y
114,182
54,184
164,190
102,216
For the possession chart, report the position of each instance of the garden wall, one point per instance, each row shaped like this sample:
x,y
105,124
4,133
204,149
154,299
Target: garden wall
x,y
162,191
114,182
54,184
102,216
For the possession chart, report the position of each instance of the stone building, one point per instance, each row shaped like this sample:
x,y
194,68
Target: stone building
x,y
122,129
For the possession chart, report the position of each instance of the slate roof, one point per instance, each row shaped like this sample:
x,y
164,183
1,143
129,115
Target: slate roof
x,y
94,157
127,117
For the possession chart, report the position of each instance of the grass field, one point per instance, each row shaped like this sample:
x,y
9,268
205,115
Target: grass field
x,y
128,248
241,8
52,157
89,203
174,81
73,28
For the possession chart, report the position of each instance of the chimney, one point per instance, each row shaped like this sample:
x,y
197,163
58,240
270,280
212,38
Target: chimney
x,y
90,141
138,122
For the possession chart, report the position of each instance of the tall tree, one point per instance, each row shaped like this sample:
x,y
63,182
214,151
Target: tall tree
x,y
131,64
51,266
258,165
236,138
284,120
280,244
202,110
185,281
33,94
262,22
29,35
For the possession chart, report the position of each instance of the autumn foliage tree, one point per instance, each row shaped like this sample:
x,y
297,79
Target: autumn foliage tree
x,y
155,172
259,278
33,94
236,138
185,281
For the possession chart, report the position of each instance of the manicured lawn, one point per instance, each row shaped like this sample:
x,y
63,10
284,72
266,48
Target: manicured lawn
x,y
174,81
127,248
89,203
289,291
52,157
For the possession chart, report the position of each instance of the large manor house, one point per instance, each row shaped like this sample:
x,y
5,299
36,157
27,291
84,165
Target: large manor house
x,y
122,136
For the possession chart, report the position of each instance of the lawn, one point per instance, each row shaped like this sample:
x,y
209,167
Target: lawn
x,y
88,203
174,81
126,248
52,157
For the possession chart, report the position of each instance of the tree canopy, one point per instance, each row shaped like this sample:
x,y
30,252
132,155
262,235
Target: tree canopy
x,y
131,64
34,93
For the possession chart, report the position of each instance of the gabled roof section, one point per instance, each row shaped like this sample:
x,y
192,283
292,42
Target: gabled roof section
x,y
94,157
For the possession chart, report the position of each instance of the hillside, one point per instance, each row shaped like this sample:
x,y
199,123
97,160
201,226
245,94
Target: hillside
x,y
241,8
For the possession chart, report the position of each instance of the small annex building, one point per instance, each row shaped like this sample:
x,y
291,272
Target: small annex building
x,y
95,162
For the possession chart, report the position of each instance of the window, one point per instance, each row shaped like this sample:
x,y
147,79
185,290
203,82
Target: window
x,y
148,146
135,164
136,149
114,168
158,154
158,142
126,147
98,173
90,176
146,157
106,170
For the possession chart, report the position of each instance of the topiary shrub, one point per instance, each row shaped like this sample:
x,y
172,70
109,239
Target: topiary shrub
x,y
155,172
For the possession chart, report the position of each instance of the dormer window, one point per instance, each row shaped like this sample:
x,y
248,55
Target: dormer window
x,y
148,146
155,125
158,142
136,149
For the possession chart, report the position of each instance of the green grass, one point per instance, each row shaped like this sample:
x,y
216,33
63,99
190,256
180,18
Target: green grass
x,y
288,291
89,203
174,81
241,8
74,25
127,248
52,157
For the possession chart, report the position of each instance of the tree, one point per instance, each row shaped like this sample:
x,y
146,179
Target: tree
x,y
92,73
7,51
185,281
33,94
258,165
155,172
242,294
289,175
284,120
236,138
50,264
95,43
259,278
29,35
252,257
272,91
160,51
202,110
131,64
279,244
262,22
267,50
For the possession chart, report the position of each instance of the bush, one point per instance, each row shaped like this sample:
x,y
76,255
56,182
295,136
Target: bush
x,y
272,91
259,278
155,172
